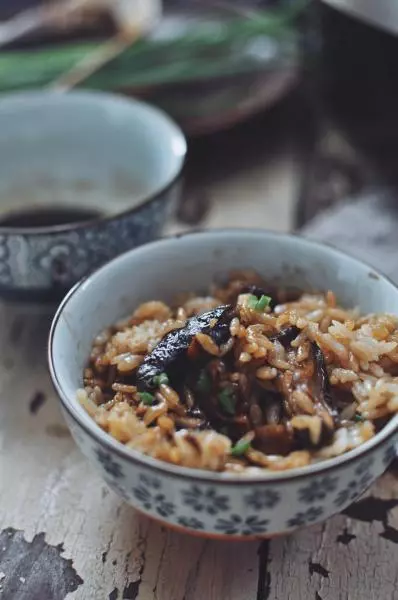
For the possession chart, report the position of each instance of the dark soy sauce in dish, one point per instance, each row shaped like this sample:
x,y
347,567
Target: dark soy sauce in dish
x,y
48,217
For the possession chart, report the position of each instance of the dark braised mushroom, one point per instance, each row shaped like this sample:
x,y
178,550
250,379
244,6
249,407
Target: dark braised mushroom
x,y
322,383
255,415
206,386
274,439
273,408
323,403
174,346
285,386
220,399
303,441
216,369
220,332
196,413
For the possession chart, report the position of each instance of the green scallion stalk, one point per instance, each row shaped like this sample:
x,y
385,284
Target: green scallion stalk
x,y
240,448
147,398
159,379
262,303
202,52
252,301
227,401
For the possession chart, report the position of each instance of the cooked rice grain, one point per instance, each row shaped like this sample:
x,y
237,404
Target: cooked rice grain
x,y
262,382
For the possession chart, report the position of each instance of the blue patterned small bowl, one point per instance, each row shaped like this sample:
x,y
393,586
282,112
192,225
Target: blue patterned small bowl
x,y
83,178
202,502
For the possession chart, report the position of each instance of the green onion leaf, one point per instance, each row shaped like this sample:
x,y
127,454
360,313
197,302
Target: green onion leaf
x,y
252,301
262,303
204,382
358,418
227,400
159,379
147,398
240,448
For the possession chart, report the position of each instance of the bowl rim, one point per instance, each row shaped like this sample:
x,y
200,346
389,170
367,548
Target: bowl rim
x,y
104,98
202,475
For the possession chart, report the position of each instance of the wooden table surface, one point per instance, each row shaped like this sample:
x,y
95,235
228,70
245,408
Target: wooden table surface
x,y
63,534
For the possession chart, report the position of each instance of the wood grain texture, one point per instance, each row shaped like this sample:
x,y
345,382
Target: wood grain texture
x,y
47,489
102,550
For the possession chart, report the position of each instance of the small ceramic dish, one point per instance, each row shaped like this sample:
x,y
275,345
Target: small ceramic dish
x,y
208,503
83,177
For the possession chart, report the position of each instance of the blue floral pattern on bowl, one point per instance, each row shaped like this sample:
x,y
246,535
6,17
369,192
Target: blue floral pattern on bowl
x,y
237,525
305,517
190,523
109,465
51,263
249,509
205,500
261,499
317,489
149,494
253,510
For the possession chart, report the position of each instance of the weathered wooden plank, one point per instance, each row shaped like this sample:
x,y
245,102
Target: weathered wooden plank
x,y
344,558
202,568
66,534
57,507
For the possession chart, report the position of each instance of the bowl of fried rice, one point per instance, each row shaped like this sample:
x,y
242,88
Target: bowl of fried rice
x,y
233,383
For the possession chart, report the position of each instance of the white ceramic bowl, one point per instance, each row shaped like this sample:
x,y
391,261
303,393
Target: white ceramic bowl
x,y
210,503
111,162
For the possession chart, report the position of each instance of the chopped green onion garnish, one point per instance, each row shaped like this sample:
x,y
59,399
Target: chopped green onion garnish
x,y
147,398
252,301
262,303
204,382
240,448
227,400
358,418
159,379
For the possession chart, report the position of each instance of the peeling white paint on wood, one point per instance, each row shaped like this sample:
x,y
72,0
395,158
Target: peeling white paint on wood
x,y
47,486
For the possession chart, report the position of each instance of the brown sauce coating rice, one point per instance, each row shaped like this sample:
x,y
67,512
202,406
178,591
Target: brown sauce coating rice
x,y
293,382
